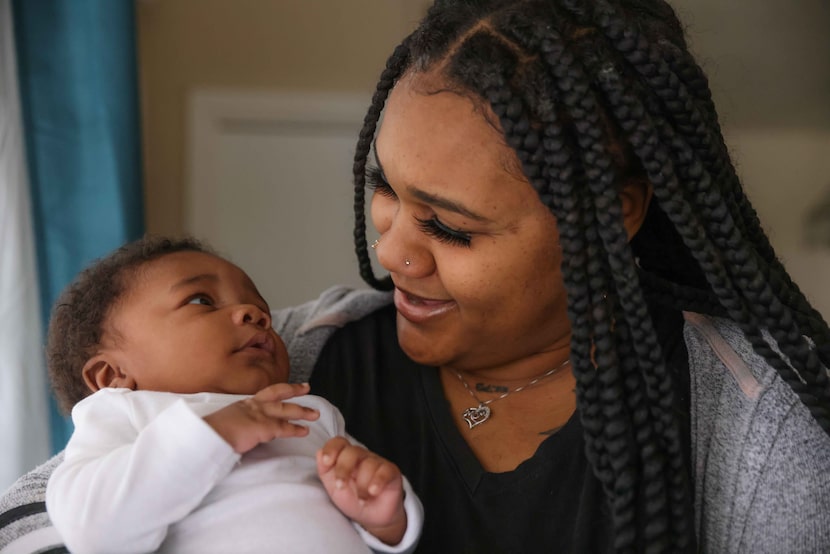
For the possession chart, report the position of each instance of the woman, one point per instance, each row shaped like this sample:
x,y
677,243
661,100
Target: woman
x,y
591,345
523,145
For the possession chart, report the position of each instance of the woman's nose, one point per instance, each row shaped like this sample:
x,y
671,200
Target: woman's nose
x,y
400,249
250,313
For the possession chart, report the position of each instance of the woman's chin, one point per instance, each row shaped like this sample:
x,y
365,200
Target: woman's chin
x,y
420,347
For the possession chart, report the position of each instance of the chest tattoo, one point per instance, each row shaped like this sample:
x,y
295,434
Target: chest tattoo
x,y
484,387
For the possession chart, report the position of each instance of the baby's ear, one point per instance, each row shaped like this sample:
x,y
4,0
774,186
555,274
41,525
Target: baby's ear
x,y
102,371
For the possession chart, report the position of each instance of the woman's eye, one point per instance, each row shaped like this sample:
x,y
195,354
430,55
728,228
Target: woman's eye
x,y
202,299
377,183
434,228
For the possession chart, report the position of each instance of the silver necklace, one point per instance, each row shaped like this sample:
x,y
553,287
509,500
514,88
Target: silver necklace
x,y
476,415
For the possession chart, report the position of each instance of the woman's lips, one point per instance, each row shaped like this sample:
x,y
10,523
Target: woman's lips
x,y
418,309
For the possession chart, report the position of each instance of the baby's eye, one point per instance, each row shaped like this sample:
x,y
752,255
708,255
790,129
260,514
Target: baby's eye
x,y
202,299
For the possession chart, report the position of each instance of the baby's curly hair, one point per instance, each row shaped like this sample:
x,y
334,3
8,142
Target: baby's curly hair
x,y
77,322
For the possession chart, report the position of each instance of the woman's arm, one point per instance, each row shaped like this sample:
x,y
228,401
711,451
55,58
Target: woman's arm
x,y
306,328
23,518
762,462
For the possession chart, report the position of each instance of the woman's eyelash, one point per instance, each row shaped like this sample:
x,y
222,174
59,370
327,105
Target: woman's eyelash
x,y
377,182
434,228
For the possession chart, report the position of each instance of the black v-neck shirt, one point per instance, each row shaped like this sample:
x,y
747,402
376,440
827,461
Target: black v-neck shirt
x,y
550,503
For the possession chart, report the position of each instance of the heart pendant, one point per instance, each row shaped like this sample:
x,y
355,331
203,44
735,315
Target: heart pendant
x,y
476,416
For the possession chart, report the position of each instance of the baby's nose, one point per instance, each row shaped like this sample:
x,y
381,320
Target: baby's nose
x,y
249,313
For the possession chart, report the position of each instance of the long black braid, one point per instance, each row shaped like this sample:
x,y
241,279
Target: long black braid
x,y
394,67
590,94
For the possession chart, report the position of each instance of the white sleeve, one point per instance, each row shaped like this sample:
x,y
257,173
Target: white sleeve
x,y
119,488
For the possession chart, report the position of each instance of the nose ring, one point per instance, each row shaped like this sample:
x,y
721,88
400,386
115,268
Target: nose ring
x,y
407,262
375,244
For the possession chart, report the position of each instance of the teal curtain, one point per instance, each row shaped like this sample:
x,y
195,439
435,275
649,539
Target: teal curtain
x,y
78,84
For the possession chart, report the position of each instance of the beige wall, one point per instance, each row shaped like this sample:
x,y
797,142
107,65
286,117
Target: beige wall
x,y
767,62
271,44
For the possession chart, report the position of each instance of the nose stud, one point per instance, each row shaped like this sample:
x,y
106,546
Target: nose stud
x,y
407,262
375,244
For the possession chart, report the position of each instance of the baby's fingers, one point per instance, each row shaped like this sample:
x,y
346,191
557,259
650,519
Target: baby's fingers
x,y
366,472
328,455
374,474
282,391
282,428
287,410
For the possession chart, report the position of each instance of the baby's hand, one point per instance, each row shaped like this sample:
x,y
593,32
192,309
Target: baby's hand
x,y
262,417
365,487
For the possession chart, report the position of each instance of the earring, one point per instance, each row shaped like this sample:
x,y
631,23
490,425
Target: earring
x,y
407,262
375,244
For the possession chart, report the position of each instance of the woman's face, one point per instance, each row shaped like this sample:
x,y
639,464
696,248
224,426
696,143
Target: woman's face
x,y
482,286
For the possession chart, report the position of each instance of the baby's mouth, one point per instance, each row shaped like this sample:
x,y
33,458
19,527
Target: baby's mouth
x,y
261,341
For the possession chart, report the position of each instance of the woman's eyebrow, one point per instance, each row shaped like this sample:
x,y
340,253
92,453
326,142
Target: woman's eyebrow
x,y
445,204
435,200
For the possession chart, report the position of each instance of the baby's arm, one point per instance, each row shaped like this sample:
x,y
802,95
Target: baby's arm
x,y
120,488
371,491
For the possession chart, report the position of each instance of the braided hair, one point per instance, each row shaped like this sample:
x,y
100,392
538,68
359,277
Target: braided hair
x,y
589,95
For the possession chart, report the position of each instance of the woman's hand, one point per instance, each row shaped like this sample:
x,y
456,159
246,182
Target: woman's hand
x,y
262,417
366,487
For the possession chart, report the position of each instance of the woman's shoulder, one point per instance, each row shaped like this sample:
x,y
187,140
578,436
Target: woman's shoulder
x,y
762,462
717,343
727,374
306,328
334,307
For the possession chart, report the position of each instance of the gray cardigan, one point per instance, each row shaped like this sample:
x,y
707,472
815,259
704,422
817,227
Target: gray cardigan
x,y
761,462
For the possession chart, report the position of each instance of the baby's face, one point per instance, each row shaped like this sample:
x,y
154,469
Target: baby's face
x,y
192,322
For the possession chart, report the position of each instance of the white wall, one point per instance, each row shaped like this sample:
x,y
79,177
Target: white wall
x,y
269,186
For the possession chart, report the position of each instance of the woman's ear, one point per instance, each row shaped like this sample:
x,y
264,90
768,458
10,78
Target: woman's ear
x,y
103,371
635,196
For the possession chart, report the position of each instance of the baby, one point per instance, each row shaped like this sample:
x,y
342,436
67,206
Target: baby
x,y
188,437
